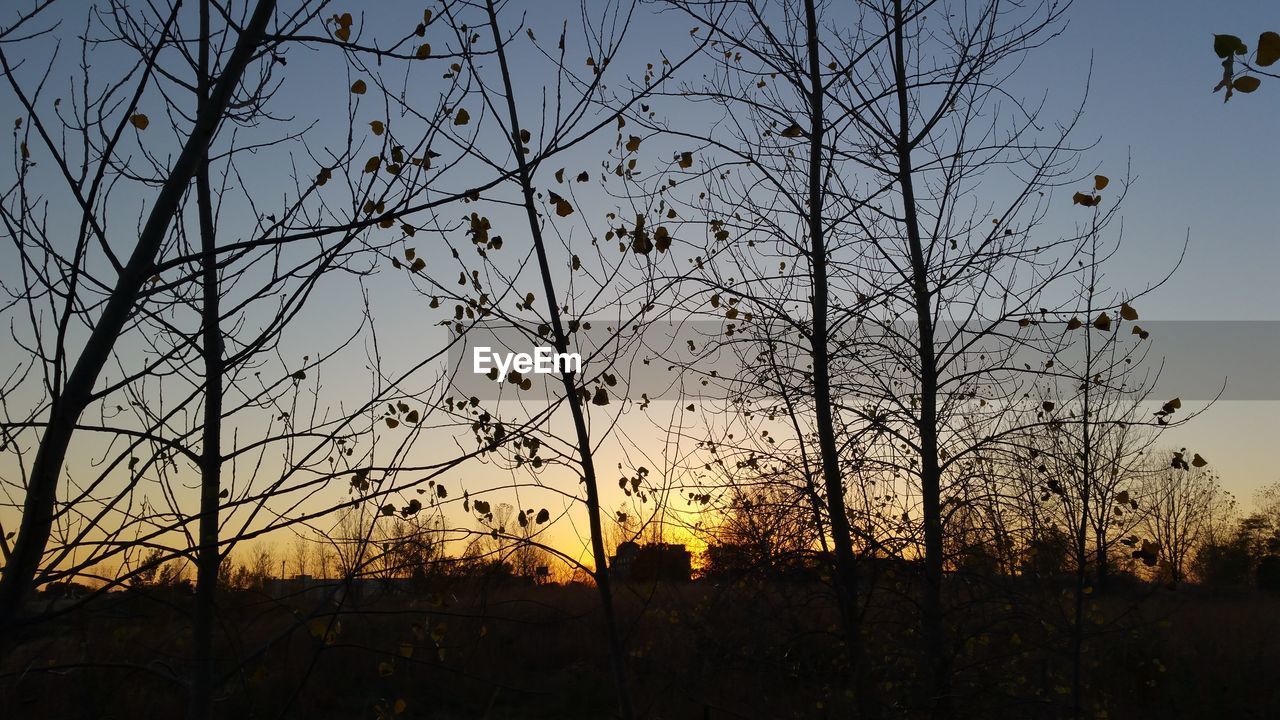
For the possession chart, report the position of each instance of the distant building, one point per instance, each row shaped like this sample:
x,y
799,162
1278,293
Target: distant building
x,y
299,586
737,560
653,562
59,596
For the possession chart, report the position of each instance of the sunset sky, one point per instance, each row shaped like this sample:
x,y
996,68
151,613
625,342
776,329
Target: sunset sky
x,y
1203,172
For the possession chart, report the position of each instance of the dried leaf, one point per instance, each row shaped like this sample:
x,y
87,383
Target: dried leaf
x,y
1268,48
563,208
1085,200
1224,46
1246,83
792,131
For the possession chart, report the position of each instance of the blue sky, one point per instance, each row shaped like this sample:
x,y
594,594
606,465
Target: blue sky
x,y
1206,171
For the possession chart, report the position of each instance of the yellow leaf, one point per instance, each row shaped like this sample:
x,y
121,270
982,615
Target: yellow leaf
x,y
633,143
400,706
377,127
385,668
140,121
358,87
1085,200
1100,181
462,118
424,51
686,160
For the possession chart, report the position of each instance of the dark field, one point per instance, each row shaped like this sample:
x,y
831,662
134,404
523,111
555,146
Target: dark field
x,y
699,650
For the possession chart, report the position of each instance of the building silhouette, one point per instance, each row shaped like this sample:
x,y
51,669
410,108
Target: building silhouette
x,y
652,562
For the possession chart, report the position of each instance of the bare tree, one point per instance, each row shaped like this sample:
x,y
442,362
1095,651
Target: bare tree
x,y
1181,500
772,174
70,396
227,274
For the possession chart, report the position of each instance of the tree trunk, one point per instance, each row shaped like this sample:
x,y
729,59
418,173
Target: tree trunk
x,y
617,657
208,554
938,675
1086,486
845,575
1101,569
